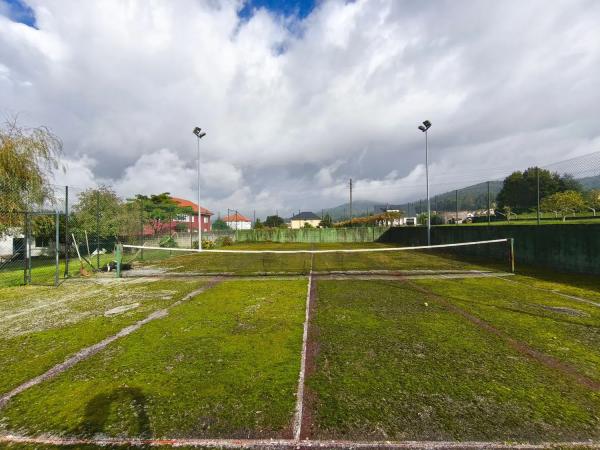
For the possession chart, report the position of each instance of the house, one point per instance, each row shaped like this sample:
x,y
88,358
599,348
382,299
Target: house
x,y
304,217
237,222
395,215
192,222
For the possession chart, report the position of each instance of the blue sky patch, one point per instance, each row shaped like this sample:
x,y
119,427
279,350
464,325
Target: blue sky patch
x,y
298,8
18,11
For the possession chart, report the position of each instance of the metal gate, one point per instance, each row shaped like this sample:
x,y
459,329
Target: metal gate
x,y
30,248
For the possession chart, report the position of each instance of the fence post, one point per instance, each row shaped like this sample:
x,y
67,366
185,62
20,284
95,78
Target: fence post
x,y
66,275
57,247
537,171
98,229
25,248
142,228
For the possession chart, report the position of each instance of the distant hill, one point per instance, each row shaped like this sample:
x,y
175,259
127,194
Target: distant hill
x,y
359,208
590,182
470,198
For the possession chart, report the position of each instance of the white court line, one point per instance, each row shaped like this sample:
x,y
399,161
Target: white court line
x,y
292,443
297,423
353,250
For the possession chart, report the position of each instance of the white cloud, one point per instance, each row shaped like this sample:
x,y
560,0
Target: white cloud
x,y
293,109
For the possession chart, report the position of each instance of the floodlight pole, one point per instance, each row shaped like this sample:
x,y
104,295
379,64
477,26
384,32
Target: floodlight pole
x,y
199,209
427,182
199,135
424,128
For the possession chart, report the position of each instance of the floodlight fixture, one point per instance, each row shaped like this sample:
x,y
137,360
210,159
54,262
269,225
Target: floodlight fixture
x,y
427,124
422,128
198,132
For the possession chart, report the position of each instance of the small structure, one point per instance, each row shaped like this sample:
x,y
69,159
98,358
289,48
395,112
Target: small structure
x,y
237,222
304,217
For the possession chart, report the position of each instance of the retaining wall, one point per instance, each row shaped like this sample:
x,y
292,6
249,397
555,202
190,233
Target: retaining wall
x,y
565,247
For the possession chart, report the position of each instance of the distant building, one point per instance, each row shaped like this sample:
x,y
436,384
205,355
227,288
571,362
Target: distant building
x,y
237,222
192,222
304,217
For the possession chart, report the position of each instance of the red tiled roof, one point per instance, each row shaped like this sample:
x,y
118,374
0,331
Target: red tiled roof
x,y
236,218
183,203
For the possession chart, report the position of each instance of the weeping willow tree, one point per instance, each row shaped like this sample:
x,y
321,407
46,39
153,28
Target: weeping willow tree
x,y
28,157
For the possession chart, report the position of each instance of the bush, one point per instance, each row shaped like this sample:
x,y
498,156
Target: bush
x,y
167,241
226,241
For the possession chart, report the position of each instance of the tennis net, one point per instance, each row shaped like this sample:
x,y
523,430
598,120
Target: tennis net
x,y
280,259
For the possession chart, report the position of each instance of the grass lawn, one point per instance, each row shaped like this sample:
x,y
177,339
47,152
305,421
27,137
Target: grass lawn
x,y
222,364
558,326
395,365
41,326
43,270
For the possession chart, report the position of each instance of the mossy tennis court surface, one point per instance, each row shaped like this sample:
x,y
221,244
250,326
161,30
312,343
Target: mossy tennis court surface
x,y
329,351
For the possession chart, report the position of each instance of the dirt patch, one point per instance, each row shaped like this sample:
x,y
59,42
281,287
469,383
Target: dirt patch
x,y
521,347
120,309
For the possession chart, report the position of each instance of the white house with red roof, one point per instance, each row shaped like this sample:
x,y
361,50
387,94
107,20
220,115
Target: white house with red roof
x,y
193,220
237,222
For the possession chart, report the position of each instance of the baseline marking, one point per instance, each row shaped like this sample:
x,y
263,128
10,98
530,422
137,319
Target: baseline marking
x,y
291,443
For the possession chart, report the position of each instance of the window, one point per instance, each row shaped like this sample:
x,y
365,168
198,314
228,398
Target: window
x,y
182,218
205,219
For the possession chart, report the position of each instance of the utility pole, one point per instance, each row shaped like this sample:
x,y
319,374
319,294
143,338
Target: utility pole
x,y
350,201
489,205
456,208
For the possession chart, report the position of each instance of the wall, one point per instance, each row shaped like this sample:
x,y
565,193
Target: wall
x,y
565,247
308,235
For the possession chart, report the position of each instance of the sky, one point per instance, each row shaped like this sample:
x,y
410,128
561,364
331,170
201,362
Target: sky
x,y
297,97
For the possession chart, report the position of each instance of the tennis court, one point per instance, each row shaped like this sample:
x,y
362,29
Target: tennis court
x,y
324,346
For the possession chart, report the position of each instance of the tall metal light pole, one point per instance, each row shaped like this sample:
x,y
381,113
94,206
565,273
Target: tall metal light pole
x,y
199,135
426,125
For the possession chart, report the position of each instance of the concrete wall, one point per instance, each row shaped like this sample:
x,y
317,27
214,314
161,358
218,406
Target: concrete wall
x,y
310,235
565,247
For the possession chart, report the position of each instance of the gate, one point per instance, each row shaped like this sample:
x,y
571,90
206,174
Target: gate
x,y
29,248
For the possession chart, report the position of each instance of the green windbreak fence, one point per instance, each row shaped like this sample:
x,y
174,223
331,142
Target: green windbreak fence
x,y
310,235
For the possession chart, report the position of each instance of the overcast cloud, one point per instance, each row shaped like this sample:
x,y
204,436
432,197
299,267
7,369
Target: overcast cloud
x,y
294,107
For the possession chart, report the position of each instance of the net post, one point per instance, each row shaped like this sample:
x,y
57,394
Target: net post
x,y
25,246
118,258
511,254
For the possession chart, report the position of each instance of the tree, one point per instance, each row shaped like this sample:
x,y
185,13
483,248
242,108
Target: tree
x,y
307,225
97,209
28,158
519,189
160,209
564,203
593,200
327,222
220,224
274,221
258,225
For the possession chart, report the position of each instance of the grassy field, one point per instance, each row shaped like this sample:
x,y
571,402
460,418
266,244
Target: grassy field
x,y
401,359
